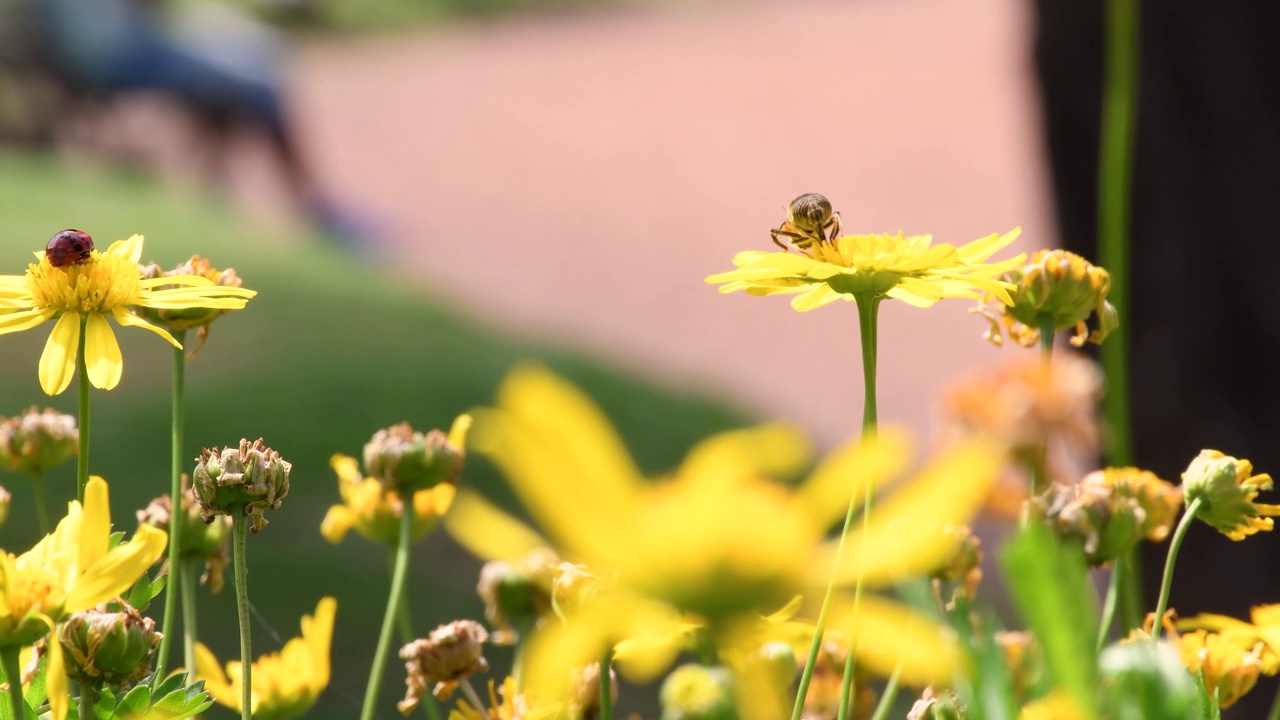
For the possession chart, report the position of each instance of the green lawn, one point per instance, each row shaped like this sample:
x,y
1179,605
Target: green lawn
x,y
330,351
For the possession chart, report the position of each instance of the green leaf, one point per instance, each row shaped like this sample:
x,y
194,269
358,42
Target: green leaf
x,y
115,539
1050,584
105,707
144,591
988,694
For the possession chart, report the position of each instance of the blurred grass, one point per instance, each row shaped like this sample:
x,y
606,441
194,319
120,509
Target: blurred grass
x,y
330,351
343,16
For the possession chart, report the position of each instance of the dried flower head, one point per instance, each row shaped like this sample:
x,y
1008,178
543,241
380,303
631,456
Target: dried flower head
x,y
450,654
250,479
1110,510
200,540
183,319
36,442
407,461
109,648
517,593
933,705
1057,289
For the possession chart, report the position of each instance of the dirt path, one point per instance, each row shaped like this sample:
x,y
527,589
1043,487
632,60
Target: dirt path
x,y
579,176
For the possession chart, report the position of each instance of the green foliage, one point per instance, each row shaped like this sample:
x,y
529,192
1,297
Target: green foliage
x,y
144,591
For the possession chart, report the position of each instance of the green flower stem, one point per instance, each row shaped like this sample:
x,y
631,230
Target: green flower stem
x,y
239,550
606,686
868,307
1167,581
1046,339
470,691
88,698
42,503
1274,714
189,635
82,457
1109,604
889,696
13,673
404,622
398,573
175,585
1115,180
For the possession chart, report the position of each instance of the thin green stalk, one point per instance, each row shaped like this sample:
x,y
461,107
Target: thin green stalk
x,y
1115,181
42,503
1046,339
398,573
404,623
13,673
239,550
1274,714
1109,604
189,634
867,311
606,686
88,698
889,696
175,585
1167,581
82,458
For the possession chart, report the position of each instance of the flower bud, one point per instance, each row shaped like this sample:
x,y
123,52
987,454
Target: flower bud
x,y
937,706
449,655
1225,488
1110,510
1058,288
407,461
36,442
200,540
109,648
697,692
250,479
183,319
517,594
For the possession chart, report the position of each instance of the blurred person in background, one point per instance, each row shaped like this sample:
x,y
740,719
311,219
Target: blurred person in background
x,y
1204,322
218,63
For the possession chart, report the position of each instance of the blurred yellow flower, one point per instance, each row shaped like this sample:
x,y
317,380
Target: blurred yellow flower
x,y
374,511
713,540
108,284
1229,670
1056,705
1225,488
1264,629
285,684
70,570
910,269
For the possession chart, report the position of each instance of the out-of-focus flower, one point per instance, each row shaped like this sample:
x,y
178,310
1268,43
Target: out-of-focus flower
x,y
450,654
71,569
1145,680
1110,510
1264,629
673,544
36,442
374,511
200,540
697,692
1057,705
910,269
109,648
1226,488
933,705
517,593
5,497
964,567
512,706
1229,669
408,461
183,319
109,283
249,479
1022,657
285,684
1057,288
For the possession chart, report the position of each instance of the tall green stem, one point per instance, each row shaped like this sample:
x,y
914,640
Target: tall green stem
x,y
1046,339
1109,604
13,673
175,585
1274,713
1115,181
239,551
889,695
606,686
188,572
404,621
88,698
1167,581
42,503
868,306
82,458
398,573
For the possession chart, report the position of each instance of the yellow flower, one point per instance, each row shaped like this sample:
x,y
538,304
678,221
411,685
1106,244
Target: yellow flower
x,y
714,540
1056,705
1229,670
108,284
1225,488
285,684
70,570
1264,629
910,269
374,511
1057,288
513,705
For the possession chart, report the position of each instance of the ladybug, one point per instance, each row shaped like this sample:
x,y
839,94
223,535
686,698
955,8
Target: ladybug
x,y
69,247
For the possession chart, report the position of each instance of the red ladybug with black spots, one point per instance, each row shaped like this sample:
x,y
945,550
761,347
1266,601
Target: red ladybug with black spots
x,y
69,247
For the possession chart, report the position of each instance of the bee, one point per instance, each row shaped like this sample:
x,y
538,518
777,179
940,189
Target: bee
x,y
69,247
809,220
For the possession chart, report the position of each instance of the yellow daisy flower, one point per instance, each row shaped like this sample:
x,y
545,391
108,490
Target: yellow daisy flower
x,y
285,684
70,570
910,269
374,511
84,295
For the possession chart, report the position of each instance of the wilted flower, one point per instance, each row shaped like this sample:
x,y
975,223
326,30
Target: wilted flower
x,y
1056,288
517,592
446,657
200,540
183,319
285,684
698,692
407,461
109,648
1110,510
107,284
36,442
1225,488
373,510
249,479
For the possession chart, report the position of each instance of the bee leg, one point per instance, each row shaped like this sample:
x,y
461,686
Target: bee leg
x,y
773,235
835,226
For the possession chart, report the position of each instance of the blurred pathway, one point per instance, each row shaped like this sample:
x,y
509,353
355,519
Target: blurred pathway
x,y
580,175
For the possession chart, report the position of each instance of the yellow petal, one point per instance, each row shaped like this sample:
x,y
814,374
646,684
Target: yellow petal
x,y
130,248
337,522
95,525
56,681
24,320
847,471
889,634
488,532
124,317
318,633
215,680
102,353
117,570
775,450
58,361
347,469
458,432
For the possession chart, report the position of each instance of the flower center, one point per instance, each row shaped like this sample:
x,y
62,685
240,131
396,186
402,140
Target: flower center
x,y
35,589
102,284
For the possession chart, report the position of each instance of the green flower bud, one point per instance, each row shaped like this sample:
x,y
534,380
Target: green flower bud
x,y
36,442
200,540
1146,680
1225,488
697,692
1059,288
250,479
407,461
109,648
517,595
937,706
